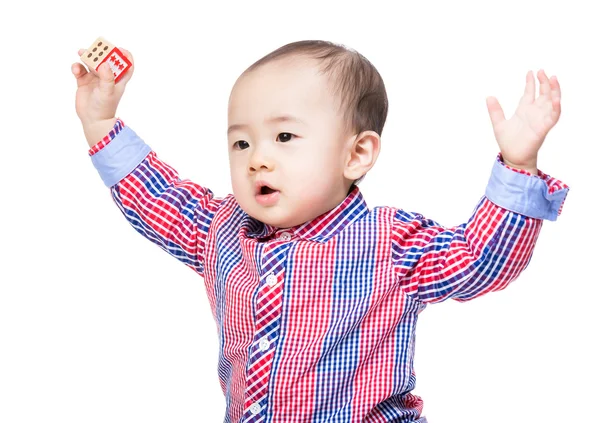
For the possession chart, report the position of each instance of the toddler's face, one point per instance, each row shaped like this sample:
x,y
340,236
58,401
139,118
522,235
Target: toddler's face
x,y
285,131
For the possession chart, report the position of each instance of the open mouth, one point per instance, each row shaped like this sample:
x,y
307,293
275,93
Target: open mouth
x,y
265,195
265,190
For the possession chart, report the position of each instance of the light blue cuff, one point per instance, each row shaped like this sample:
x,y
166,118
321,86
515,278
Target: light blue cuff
x,y
120,156
523,194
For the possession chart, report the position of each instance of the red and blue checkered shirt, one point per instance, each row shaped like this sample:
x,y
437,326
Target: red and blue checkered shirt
x,y
316,323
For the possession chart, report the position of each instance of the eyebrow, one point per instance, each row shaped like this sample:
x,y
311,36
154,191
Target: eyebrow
x,y
283,118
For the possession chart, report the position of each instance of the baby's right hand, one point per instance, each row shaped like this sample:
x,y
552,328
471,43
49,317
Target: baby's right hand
x,y
97,97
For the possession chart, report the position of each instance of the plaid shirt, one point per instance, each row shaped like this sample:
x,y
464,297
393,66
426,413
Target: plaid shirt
x,y
316,323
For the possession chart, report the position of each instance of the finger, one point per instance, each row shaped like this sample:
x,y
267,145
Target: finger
x,y
125,79
555,88
544,83
556,109
80,52
79,71
529,94
555,94
495,111
107,79
128,54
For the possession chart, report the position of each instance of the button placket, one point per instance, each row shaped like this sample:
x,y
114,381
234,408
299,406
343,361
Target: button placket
x,y
269,297
268,306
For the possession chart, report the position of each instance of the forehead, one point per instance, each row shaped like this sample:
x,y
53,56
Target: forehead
x,y
291,86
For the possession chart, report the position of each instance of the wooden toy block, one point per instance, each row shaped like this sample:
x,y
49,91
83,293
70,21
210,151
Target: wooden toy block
x,y
102,51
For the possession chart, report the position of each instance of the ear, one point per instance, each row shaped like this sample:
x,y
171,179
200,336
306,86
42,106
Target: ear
x,y
362,155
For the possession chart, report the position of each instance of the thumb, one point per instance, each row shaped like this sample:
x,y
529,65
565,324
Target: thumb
x,y
495,110
79,72
107,79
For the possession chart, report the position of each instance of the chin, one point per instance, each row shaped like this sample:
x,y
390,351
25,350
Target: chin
x,y
278,222
275,217
268,215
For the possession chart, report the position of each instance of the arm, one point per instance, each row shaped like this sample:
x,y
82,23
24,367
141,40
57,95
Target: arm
x,y
434,263
490,250
175,214
172,213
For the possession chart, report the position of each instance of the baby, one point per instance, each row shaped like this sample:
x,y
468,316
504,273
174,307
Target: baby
x,y
315,295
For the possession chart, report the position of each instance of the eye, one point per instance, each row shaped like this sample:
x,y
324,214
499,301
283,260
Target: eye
x,y
286,136
241,144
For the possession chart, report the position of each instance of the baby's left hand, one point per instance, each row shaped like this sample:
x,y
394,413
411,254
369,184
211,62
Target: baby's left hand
x,y
521,137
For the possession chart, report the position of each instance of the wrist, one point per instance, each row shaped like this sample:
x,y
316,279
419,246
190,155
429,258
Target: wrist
x,y
528,167
95,131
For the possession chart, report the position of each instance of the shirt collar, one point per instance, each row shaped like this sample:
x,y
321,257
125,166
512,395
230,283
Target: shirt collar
x,y
321,228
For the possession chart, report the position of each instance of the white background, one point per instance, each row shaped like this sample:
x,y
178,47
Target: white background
x,y
98,324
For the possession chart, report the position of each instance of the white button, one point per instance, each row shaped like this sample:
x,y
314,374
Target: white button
x,y
264,344
286,236
255,408
271,279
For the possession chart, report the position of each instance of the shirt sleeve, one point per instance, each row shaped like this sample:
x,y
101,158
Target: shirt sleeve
x,y
434,263
175,214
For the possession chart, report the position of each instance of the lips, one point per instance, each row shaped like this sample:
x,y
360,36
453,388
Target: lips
x,y
265,194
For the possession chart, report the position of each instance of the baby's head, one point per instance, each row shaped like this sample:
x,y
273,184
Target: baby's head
x,y
305,120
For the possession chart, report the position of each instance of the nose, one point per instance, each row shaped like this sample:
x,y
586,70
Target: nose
x,y
259,160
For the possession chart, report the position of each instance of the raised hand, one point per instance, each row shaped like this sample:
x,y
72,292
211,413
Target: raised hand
x,y
521,136
97,97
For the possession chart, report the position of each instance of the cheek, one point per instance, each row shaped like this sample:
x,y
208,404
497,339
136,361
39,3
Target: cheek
x,y
315,173
237,177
